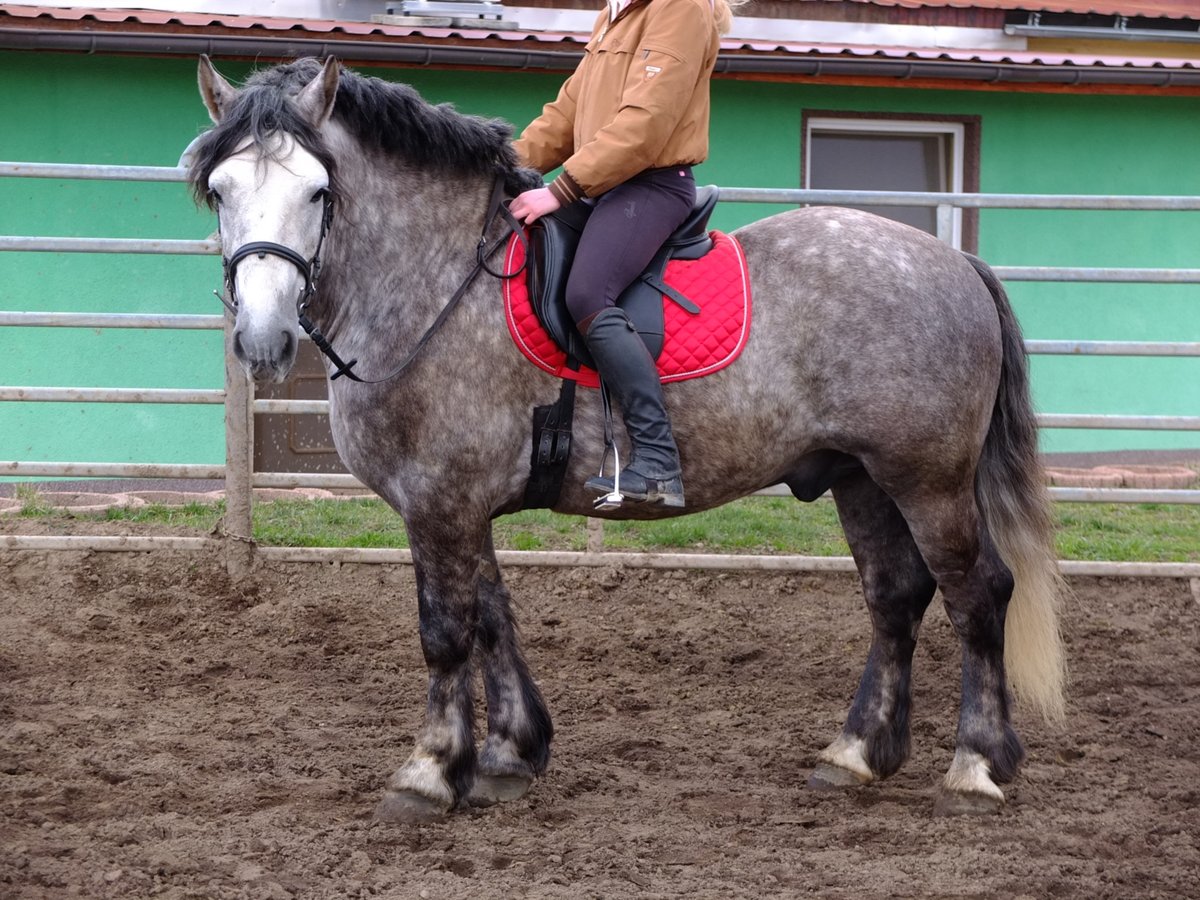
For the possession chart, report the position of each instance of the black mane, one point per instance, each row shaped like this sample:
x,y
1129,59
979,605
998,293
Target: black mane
x,y
381,114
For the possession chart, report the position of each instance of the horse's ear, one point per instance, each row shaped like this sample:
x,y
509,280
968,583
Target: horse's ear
x,y
218,93
315,99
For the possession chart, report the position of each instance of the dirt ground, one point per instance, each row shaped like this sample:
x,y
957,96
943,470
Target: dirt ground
x,y
165,733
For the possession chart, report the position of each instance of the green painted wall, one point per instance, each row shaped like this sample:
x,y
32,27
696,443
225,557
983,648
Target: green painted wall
x,y
68,108
77,109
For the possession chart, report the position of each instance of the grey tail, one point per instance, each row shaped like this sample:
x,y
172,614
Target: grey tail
x,y
1011,491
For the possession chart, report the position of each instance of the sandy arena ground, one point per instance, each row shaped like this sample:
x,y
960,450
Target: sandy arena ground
x,y
165,733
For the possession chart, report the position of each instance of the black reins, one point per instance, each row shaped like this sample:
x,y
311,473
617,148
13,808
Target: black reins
x,y
311,269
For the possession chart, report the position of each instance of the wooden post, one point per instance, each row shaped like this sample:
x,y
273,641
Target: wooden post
x,y
595,535
239,463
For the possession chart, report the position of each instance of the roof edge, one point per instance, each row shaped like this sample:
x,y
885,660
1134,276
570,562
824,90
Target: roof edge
x,y
562,56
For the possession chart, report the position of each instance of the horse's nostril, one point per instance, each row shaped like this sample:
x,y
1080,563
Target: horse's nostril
x,y
238,350
287,345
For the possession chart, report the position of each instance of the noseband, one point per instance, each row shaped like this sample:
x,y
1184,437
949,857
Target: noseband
x,y
309,268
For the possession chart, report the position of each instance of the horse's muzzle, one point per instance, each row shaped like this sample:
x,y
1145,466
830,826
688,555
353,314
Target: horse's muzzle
x,y
267,358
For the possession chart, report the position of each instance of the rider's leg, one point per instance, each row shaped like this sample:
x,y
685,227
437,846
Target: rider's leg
x,y
623,233
653,473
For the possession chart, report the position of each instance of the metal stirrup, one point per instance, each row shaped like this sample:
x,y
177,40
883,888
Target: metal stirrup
x,y
614,499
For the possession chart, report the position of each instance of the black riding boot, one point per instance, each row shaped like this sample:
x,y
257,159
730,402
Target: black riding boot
x,y
653,474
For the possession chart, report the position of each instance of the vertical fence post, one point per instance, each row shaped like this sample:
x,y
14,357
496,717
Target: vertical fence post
x,y
595,535
945,223
239,463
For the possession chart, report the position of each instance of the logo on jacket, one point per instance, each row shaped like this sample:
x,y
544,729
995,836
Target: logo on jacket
x,y
651,71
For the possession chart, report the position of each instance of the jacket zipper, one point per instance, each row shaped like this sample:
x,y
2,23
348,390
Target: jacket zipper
x,y
604,30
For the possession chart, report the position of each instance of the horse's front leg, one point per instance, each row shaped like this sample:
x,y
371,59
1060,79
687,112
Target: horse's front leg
x,y
517,747
441,769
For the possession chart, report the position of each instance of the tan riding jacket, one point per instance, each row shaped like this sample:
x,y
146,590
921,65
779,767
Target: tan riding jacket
x,y
637,101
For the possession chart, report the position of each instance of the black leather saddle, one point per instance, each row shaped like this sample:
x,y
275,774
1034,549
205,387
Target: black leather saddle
x,y
552,243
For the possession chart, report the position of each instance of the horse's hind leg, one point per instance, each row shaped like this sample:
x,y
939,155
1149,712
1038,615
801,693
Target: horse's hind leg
x,y
976,587
874,742
517,747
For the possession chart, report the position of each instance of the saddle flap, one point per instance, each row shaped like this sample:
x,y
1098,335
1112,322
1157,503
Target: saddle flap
x,y
552,243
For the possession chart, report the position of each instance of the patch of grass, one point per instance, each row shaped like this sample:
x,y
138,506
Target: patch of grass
x,y
1145,532
201,516
328,523
1086,531
540,529
31,500
754,525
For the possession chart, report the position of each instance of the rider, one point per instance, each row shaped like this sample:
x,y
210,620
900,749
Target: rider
x,y
626,127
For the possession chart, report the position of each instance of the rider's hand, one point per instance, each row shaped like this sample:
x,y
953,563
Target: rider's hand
x,y
532,205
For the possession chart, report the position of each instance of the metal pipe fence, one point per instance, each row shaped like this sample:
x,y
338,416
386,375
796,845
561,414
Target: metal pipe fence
x,y
241,406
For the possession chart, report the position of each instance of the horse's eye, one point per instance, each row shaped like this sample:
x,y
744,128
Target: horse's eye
x,y
320,195
214,198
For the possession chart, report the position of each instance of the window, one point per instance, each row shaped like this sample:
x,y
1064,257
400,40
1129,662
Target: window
x,y
853,152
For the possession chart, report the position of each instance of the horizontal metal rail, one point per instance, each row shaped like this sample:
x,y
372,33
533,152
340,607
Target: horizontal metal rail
x,y
1086,275
535,558
292,407
207,247
109,543
111,395
217,322
111,320
212,247
189,471
109,470
1136,423
338,481
1124,495
306,479
798,196
84,172
1045,420
731,194
1062,494
1112,348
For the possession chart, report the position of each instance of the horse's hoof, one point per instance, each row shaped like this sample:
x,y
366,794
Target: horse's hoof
x,y
408,808
959,803
492,789
826,777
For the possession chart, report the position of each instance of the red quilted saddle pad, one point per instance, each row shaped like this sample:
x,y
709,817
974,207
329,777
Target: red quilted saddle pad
x,y
693,345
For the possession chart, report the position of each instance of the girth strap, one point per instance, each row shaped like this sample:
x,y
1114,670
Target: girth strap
x,y
551,449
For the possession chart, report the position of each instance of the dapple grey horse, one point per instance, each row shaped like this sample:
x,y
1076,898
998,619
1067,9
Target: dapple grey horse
x,y
882,366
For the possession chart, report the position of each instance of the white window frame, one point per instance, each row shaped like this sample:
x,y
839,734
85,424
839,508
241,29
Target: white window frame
x,y
957,149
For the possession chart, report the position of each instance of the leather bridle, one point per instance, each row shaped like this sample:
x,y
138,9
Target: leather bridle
x,y
311,269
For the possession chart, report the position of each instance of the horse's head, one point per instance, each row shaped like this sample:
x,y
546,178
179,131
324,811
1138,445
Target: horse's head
x,y
257,168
